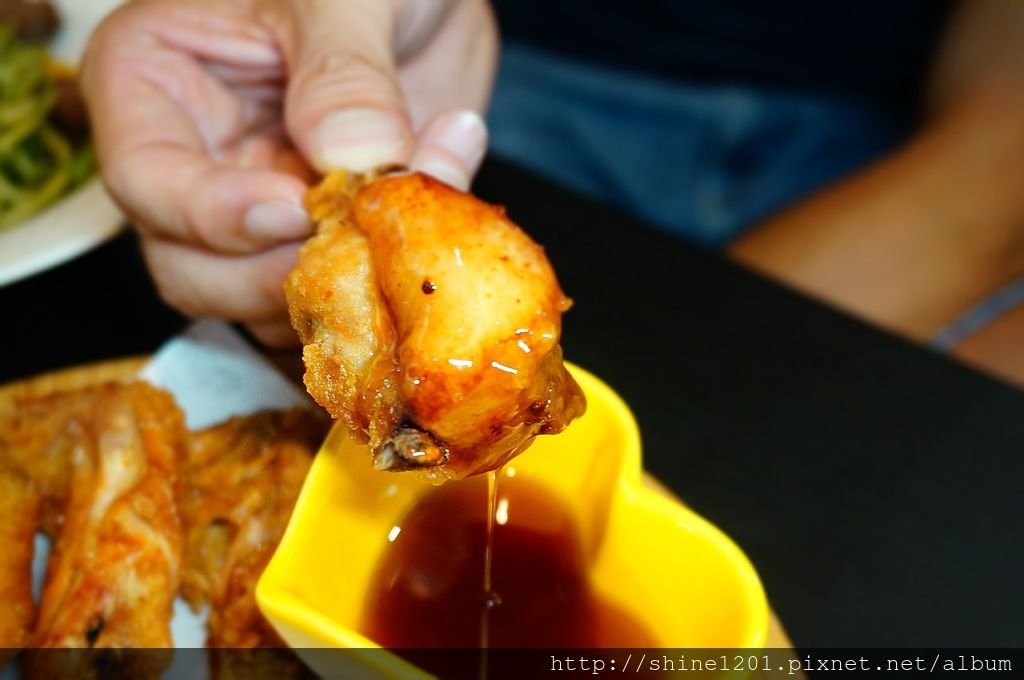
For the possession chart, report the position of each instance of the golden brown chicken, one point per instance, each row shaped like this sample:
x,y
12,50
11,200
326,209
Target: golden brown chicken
x,y
431,324
19,509
95,469
104,472
243,477
38,440
36,447
116,560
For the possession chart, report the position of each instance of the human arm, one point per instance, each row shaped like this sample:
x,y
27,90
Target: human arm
x,y
919,236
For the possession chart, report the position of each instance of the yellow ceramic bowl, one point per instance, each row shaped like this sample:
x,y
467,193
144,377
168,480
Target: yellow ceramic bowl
x,y
648,554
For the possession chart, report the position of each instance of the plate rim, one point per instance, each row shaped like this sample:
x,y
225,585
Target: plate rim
x,y
92,217
87,217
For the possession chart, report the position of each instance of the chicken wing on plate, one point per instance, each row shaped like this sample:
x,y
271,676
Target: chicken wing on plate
x,y
35,464
431,324
243,477
93,469
19,508
114,569
37,440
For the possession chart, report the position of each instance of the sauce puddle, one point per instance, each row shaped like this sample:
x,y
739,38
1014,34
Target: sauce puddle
x,y
426,592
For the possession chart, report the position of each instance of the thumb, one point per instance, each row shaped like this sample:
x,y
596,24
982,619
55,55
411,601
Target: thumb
x,y
344,108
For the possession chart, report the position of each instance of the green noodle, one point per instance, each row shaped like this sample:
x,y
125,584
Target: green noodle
x,y
38,164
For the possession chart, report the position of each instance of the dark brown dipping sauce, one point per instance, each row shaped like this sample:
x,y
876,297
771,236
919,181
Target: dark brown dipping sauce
x,y
428,589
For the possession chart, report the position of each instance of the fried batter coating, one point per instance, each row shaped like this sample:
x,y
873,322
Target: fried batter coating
x,y
243,477
343,320
109,474
430,324
115,566
19,508
94,469
36,440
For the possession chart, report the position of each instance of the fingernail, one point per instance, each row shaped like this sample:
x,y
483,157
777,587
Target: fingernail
x,y
464,134
277,221
452,147
360,140
441,166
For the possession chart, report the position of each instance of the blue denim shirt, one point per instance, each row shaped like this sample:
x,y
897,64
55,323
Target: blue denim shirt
x,y
702,160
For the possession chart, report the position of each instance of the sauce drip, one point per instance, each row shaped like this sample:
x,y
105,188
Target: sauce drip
x,y
491,599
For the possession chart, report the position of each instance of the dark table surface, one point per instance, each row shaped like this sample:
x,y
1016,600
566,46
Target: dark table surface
x,y
877,486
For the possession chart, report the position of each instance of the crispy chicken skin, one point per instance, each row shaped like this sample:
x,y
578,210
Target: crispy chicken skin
x,y
242,477
430,323
19,508
116,560
36,440
94,469
137,508
36,447
343,320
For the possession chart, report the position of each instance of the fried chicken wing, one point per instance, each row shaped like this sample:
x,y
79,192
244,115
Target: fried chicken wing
x,y
115,565
109,474
243,477
36,440
34,471
19,508
90,468
430,323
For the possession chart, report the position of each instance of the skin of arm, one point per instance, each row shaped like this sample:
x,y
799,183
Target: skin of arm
x,y
915,239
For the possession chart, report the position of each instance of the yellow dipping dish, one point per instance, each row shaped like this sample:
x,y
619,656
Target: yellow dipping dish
x,y
647,554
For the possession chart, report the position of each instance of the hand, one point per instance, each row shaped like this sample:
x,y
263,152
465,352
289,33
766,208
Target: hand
x,y
211,116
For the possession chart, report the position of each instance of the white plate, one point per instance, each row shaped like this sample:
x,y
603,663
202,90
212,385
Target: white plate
x,y
82,220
